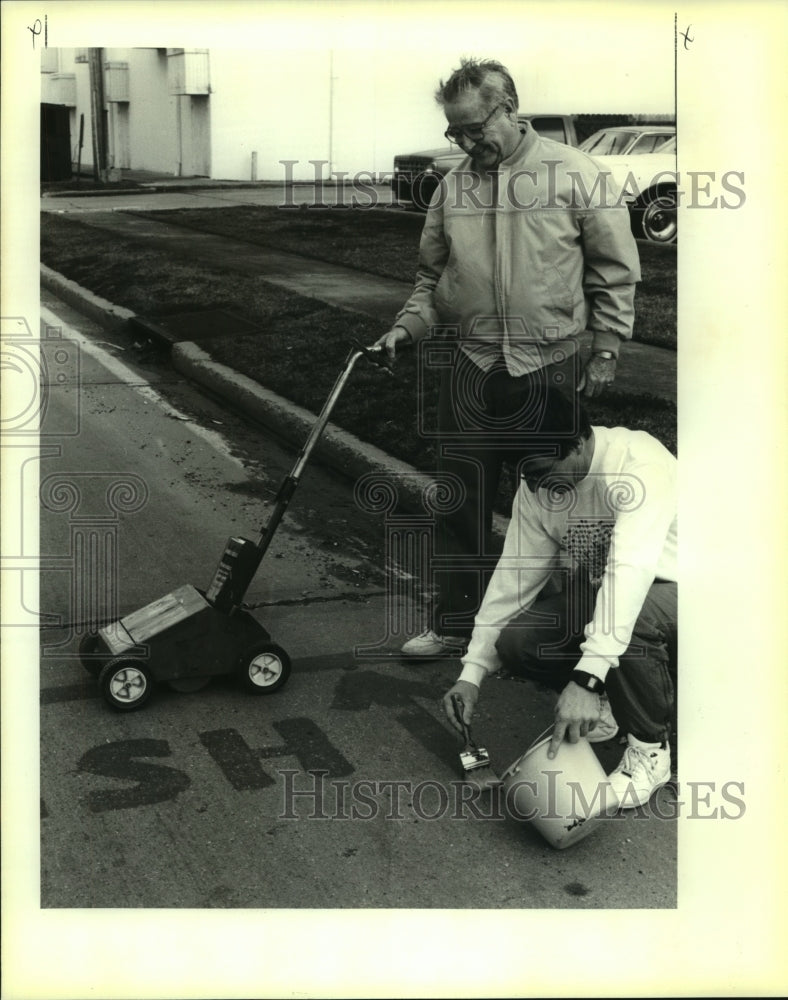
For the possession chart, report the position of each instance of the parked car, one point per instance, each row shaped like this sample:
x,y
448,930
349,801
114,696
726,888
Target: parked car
x,y
417,175
642,160
626,140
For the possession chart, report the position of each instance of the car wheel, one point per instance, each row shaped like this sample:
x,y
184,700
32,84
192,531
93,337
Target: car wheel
x,y
659,217
89,657
264,668
126,683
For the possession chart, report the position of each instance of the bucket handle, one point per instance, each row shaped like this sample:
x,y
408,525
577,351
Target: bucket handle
x,y
540,737
522,756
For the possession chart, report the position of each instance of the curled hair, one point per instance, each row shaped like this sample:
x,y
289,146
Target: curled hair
x,y
488,76
563,425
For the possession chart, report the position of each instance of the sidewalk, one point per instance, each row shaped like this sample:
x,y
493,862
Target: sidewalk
x,y
152,192
642,369
154,180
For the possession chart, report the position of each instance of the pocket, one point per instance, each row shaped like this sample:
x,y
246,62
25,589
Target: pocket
x,y
558,295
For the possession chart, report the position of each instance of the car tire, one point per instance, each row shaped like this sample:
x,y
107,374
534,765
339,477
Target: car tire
x,y
126,683
263,668
656,217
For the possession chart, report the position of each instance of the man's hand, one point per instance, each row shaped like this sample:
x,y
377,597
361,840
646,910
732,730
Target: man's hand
x,y
391,340
576,714
598,374
469,695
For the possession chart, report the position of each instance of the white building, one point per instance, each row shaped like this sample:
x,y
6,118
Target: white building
x,y
267,113
229,114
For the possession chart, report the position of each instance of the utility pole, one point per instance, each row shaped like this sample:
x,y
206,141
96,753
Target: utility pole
x,y
98,130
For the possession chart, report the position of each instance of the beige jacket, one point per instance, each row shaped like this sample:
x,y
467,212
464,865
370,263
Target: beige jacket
x,y
532,254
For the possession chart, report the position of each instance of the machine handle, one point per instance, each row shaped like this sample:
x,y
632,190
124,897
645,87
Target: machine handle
x,y
377,356
291,482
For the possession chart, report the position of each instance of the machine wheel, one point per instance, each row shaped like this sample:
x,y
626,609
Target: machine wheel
x,y
88,645
126,683
264,668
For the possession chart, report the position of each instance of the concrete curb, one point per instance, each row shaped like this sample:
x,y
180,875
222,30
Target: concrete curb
x,y
85,301
338,448
381,481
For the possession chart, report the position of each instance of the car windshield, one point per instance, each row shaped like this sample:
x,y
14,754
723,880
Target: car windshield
x,y
607,143
616,142
650,142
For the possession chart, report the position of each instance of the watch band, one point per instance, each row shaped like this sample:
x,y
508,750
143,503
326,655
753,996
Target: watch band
x,y
588,681
607,355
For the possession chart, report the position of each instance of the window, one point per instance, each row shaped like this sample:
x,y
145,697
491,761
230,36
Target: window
x,y
607,143
550,127
648,143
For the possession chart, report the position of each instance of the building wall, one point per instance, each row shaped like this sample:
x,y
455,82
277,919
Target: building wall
x,y
152,111
260,106
142,131
56,65
334,108
350,109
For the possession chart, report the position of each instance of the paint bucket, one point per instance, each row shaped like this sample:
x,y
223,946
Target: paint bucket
x,y
564,798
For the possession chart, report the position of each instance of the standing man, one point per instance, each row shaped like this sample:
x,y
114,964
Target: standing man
x,y
598,505
524,247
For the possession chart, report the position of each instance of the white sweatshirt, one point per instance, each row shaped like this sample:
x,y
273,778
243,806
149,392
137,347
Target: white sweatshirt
x,y
619,522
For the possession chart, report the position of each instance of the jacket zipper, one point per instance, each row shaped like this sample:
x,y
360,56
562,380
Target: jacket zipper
x,y
497,240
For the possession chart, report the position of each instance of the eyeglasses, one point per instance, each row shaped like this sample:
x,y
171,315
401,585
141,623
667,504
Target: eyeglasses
x,y
473,132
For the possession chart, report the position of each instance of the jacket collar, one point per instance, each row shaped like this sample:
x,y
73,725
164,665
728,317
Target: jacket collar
x,y
527,142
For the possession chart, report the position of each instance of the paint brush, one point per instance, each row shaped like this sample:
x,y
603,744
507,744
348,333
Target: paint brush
x,y
474,759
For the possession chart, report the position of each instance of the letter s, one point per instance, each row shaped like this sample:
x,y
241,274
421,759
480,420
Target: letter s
x,y
732,188
734,800
155,783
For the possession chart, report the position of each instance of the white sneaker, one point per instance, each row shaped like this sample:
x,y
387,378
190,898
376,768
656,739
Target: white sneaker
x,y
429,643
643,769
606,727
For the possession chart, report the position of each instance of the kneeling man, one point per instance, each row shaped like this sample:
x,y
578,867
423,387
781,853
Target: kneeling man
x,y
595,509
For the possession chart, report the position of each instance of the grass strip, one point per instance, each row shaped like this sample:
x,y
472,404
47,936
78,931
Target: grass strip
x,y
386,243
299,345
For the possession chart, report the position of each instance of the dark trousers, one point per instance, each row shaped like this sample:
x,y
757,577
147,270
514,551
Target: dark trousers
x,y
484,420
543,644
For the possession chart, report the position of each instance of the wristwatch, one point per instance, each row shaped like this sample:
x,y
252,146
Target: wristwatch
x,y
607,355
588,681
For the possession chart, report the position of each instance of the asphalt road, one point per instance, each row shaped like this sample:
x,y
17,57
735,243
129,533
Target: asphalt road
x,y
341,790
